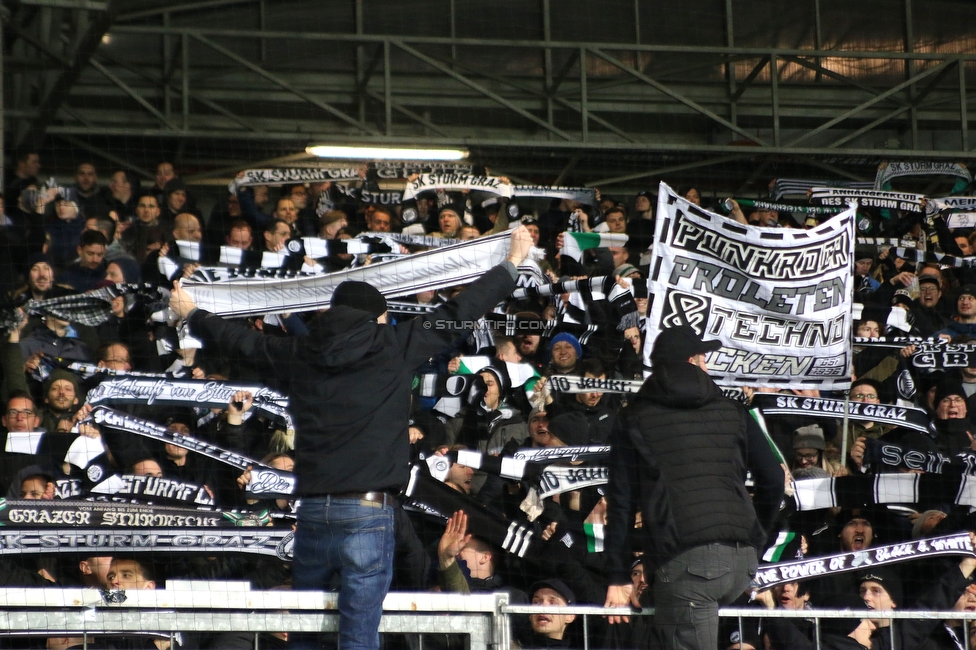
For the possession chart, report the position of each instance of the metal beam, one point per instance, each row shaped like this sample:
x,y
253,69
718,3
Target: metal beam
x,y
81,5
155,80
871,102
190,6
58,92
744,85
568,167
101,153
391,104
562,102
463,137
280,35
479,88
820,70
681,98
664,170
834,169
132,93
584,111
774,96
233,169
867,127
39,43
924,92
275,79
963,115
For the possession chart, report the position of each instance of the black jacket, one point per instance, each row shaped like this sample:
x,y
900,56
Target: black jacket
x,y
681,454
348,382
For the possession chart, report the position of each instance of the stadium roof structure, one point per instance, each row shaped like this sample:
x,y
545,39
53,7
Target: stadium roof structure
x,y
608,93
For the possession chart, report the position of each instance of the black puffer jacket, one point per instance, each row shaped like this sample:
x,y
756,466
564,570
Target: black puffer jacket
x,y
681,454
348,382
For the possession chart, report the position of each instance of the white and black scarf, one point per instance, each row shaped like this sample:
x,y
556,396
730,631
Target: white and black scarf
x,y
410,274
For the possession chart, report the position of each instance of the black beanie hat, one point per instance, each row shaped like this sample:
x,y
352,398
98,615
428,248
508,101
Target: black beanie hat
x,y
887,578
946,388
359,295
572,428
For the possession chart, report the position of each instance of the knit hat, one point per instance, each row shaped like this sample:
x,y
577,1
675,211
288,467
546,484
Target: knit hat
x,y
680,344
887,578
624,270
947,388
184,417
556,585
568,338
37,258
60,373
867,381
359,295
173,185
497,369
902,297
865,252
451,207
967,290
537,410
571,428
809,437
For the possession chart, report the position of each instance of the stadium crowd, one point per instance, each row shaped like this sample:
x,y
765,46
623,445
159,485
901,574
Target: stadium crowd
x,y
105,229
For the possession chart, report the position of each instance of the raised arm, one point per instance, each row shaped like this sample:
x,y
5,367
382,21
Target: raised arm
x,y
428,335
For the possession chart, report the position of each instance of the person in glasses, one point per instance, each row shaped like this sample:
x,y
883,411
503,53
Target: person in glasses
x,y
954,430
869,392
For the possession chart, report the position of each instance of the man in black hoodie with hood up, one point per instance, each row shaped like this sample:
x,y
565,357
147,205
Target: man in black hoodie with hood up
x,y
348,383
680,454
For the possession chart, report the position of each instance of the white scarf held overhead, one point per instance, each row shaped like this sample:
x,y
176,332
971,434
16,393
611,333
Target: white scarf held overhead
x,y
410,274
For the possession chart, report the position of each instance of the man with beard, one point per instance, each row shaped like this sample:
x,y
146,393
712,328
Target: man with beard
x,y
61,397
87,191
40,280
528,345
856,534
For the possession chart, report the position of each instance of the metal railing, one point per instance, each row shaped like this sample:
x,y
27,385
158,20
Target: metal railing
x,y
231,607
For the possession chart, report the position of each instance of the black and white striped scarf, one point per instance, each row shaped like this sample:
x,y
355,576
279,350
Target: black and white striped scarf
x,y
818,407
91,308
171,391
429,270
770,575
266,482
888,171
881,489
801,188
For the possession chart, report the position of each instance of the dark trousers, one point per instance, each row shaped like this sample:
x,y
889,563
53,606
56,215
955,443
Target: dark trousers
x,y
689,589
354,539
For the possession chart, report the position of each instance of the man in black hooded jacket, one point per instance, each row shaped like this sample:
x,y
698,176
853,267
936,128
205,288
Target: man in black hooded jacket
x,y
348,383
680,454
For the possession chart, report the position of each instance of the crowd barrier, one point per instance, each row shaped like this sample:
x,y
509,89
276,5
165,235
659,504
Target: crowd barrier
x,y
200,606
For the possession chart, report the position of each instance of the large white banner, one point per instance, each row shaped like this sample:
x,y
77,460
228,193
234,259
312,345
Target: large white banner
x,y
779,299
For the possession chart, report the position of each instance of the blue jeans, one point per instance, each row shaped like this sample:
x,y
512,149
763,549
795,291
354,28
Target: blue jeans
x,y
689,588
354,539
